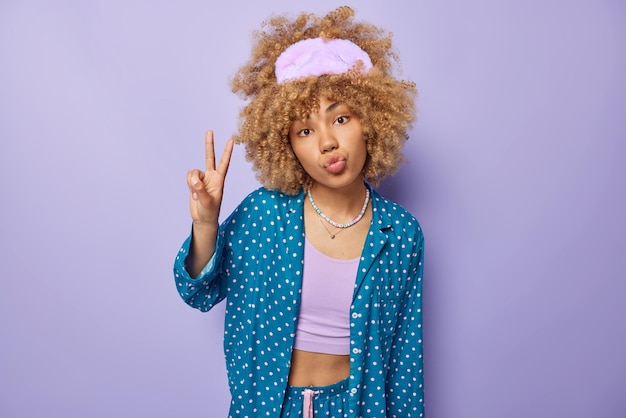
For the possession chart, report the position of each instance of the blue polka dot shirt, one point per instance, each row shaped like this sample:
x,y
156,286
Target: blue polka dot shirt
x,y
257,270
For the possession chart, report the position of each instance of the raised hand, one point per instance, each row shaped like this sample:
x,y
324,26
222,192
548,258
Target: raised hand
x,y
207,187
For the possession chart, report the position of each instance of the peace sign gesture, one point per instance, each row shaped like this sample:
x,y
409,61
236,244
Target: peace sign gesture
x,y
206,189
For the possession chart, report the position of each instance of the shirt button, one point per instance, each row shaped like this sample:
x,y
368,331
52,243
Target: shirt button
x,y
355,315
353,391
356,350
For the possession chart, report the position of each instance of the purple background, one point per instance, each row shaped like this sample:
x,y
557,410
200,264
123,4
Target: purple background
x,y
515,169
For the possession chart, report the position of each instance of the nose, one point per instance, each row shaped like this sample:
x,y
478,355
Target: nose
x,y
327,141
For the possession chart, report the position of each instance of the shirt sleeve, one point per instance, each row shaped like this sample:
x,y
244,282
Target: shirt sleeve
x,y
405,377
209,287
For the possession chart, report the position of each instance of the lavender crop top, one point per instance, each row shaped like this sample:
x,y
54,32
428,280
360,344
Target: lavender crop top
x,y
324,317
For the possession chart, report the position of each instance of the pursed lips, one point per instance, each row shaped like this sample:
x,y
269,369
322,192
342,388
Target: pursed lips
x,y
334,163
333,159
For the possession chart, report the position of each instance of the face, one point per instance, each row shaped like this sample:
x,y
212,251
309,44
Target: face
x,y
330,145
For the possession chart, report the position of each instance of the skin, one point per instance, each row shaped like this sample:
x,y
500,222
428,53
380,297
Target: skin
x,y
333,134
206,189
331,148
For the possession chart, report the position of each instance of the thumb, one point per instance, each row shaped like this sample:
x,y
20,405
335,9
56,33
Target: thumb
x,y
195,182
198,191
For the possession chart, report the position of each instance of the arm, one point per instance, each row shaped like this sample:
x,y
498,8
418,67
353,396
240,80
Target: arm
x,y
207,288
205,198
198,261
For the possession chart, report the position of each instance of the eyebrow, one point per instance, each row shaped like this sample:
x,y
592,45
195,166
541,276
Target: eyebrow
x,y
332,107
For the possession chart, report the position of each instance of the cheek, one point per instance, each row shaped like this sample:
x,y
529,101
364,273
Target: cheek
x,y
364,147
299,152
366,154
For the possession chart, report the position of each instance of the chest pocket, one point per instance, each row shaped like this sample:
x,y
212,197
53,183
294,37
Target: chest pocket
x,y
390,297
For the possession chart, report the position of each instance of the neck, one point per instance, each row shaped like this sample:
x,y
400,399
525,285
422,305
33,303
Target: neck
x,y
341,204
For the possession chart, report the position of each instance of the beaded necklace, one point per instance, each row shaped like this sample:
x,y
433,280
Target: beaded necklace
x,y
336,224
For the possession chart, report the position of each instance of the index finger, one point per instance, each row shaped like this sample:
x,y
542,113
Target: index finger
x,y
209,151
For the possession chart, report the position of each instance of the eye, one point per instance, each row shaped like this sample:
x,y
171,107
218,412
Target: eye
x,y
304,132
342,119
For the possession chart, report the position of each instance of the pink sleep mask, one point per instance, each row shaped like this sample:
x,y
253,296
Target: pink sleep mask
x,y
317,56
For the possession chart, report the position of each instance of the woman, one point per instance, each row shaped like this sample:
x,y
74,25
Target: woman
x,y
320,274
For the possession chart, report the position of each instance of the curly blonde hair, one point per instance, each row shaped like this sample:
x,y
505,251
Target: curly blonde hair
x,y
384,104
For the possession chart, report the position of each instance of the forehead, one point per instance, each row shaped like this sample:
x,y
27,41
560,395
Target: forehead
x,y
297,101
316,106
